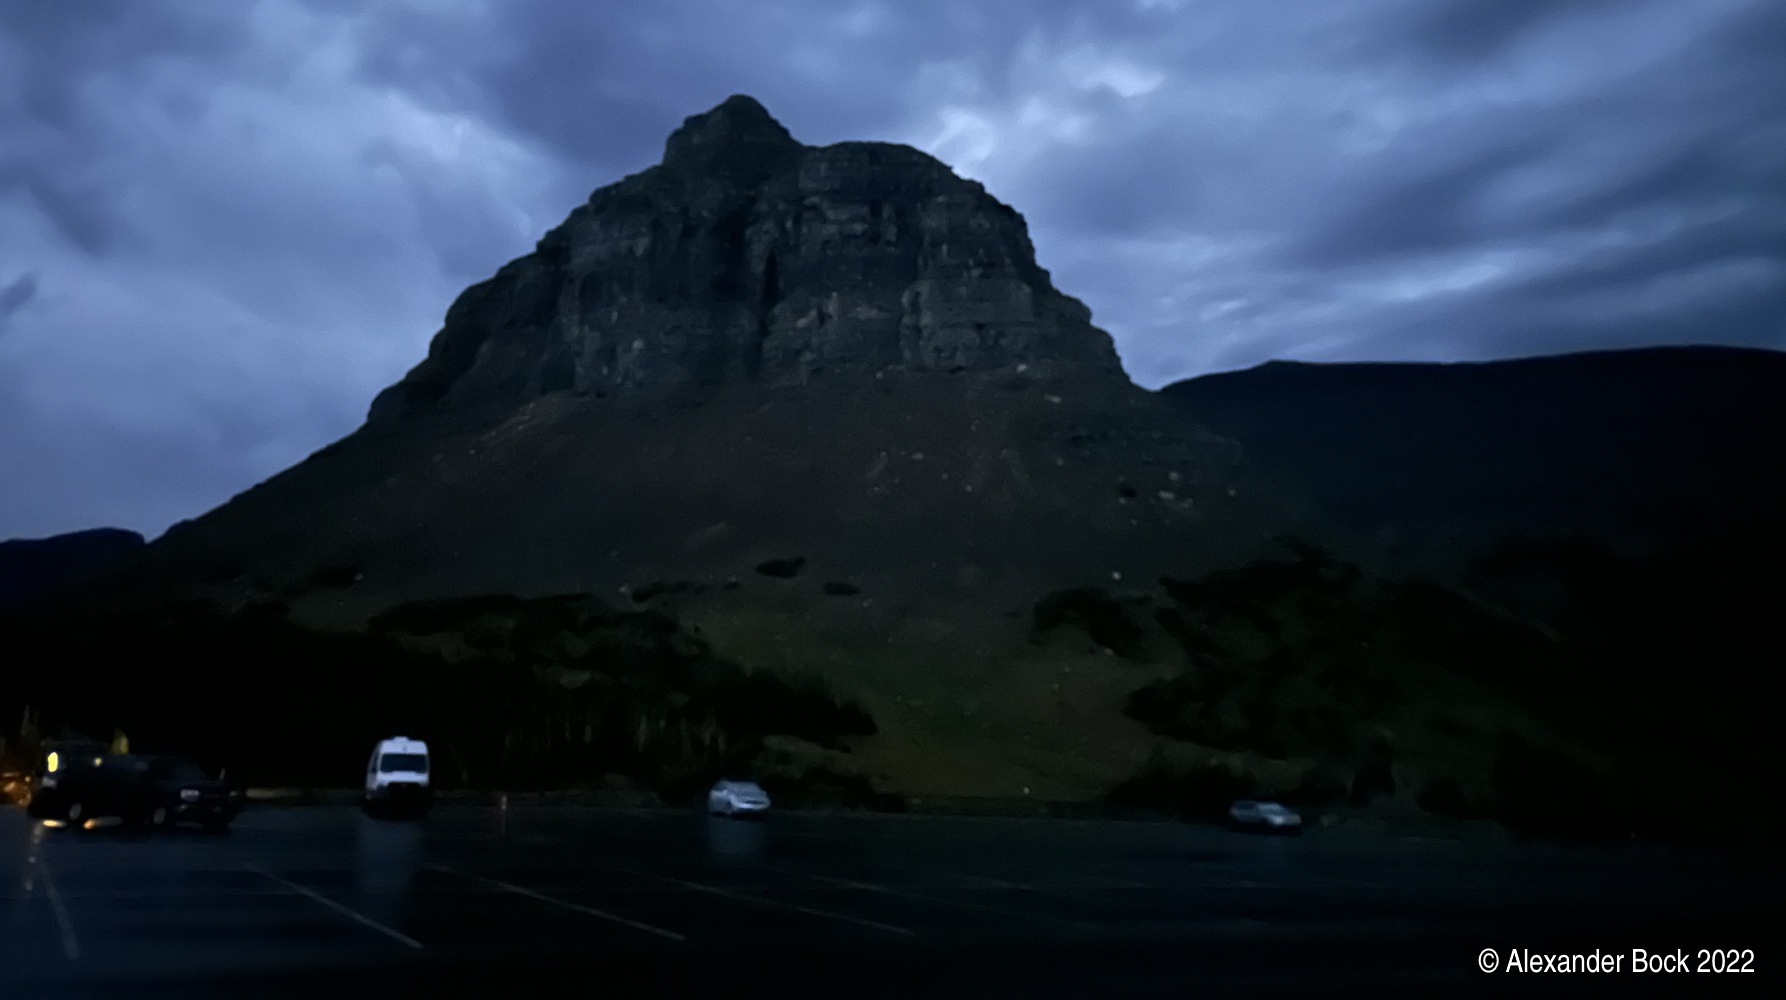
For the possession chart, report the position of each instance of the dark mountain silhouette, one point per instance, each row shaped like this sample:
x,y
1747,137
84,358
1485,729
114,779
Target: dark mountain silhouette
x,y
819,404
31,568
1437,463
1623,506
791,460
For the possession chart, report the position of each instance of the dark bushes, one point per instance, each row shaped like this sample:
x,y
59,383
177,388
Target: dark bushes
x,y
666,588
1306,657
339,575
782,569
764,704
1094,610
1267,706
1542,791
1199,792
826,788
1322,785
553,691
1444,795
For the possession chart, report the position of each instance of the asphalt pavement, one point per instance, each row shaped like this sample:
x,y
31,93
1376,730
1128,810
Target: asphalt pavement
x,y
324,901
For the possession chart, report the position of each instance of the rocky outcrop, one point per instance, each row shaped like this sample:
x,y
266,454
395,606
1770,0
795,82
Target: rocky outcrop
x,y
747,256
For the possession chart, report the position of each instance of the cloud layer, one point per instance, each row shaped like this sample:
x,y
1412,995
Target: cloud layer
x,y
223,227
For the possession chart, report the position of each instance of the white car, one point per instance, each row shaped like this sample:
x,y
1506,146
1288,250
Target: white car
x,y
737,798
1271,817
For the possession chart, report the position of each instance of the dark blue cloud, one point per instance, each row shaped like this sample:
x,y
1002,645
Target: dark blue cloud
x,y
224,226
14,295
1478,30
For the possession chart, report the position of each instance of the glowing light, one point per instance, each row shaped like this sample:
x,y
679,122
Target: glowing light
x,y
53,762
54,824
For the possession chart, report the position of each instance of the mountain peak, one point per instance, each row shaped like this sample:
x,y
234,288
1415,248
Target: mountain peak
x,y
749,257
737,134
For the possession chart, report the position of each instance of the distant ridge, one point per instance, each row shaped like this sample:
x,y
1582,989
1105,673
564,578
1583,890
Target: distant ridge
x,y
1448,458
31,568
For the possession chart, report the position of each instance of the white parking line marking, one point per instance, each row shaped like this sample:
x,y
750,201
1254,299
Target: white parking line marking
x,y
338,908
555,901
70,946
767,901
938,900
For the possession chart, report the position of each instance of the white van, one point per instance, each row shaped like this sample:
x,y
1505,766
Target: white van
x,y
397,774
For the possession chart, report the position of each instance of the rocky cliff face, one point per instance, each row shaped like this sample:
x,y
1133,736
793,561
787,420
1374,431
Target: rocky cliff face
x,y
819,405
747,256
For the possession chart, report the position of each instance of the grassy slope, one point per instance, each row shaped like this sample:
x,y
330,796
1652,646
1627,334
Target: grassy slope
x,y
936,491
951,503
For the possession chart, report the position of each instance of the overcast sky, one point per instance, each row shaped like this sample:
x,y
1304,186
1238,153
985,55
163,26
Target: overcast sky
x,y
224,224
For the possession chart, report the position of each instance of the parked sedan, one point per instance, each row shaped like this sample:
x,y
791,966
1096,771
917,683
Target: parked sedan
x,y
1267,817
178,791
737,798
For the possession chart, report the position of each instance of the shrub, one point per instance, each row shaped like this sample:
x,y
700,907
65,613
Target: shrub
x,y
782,569
340,575
1201,792
1094,610
1544,791
1443,795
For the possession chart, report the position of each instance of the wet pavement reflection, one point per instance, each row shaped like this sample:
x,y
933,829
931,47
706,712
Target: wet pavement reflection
x,y
387,854
736,841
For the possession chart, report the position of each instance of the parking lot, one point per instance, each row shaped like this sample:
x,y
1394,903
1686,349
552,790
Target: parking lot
x,y
306,901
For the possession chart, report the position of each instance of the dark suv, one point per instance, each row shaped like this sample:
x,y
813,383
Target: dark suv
x,y
150,791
